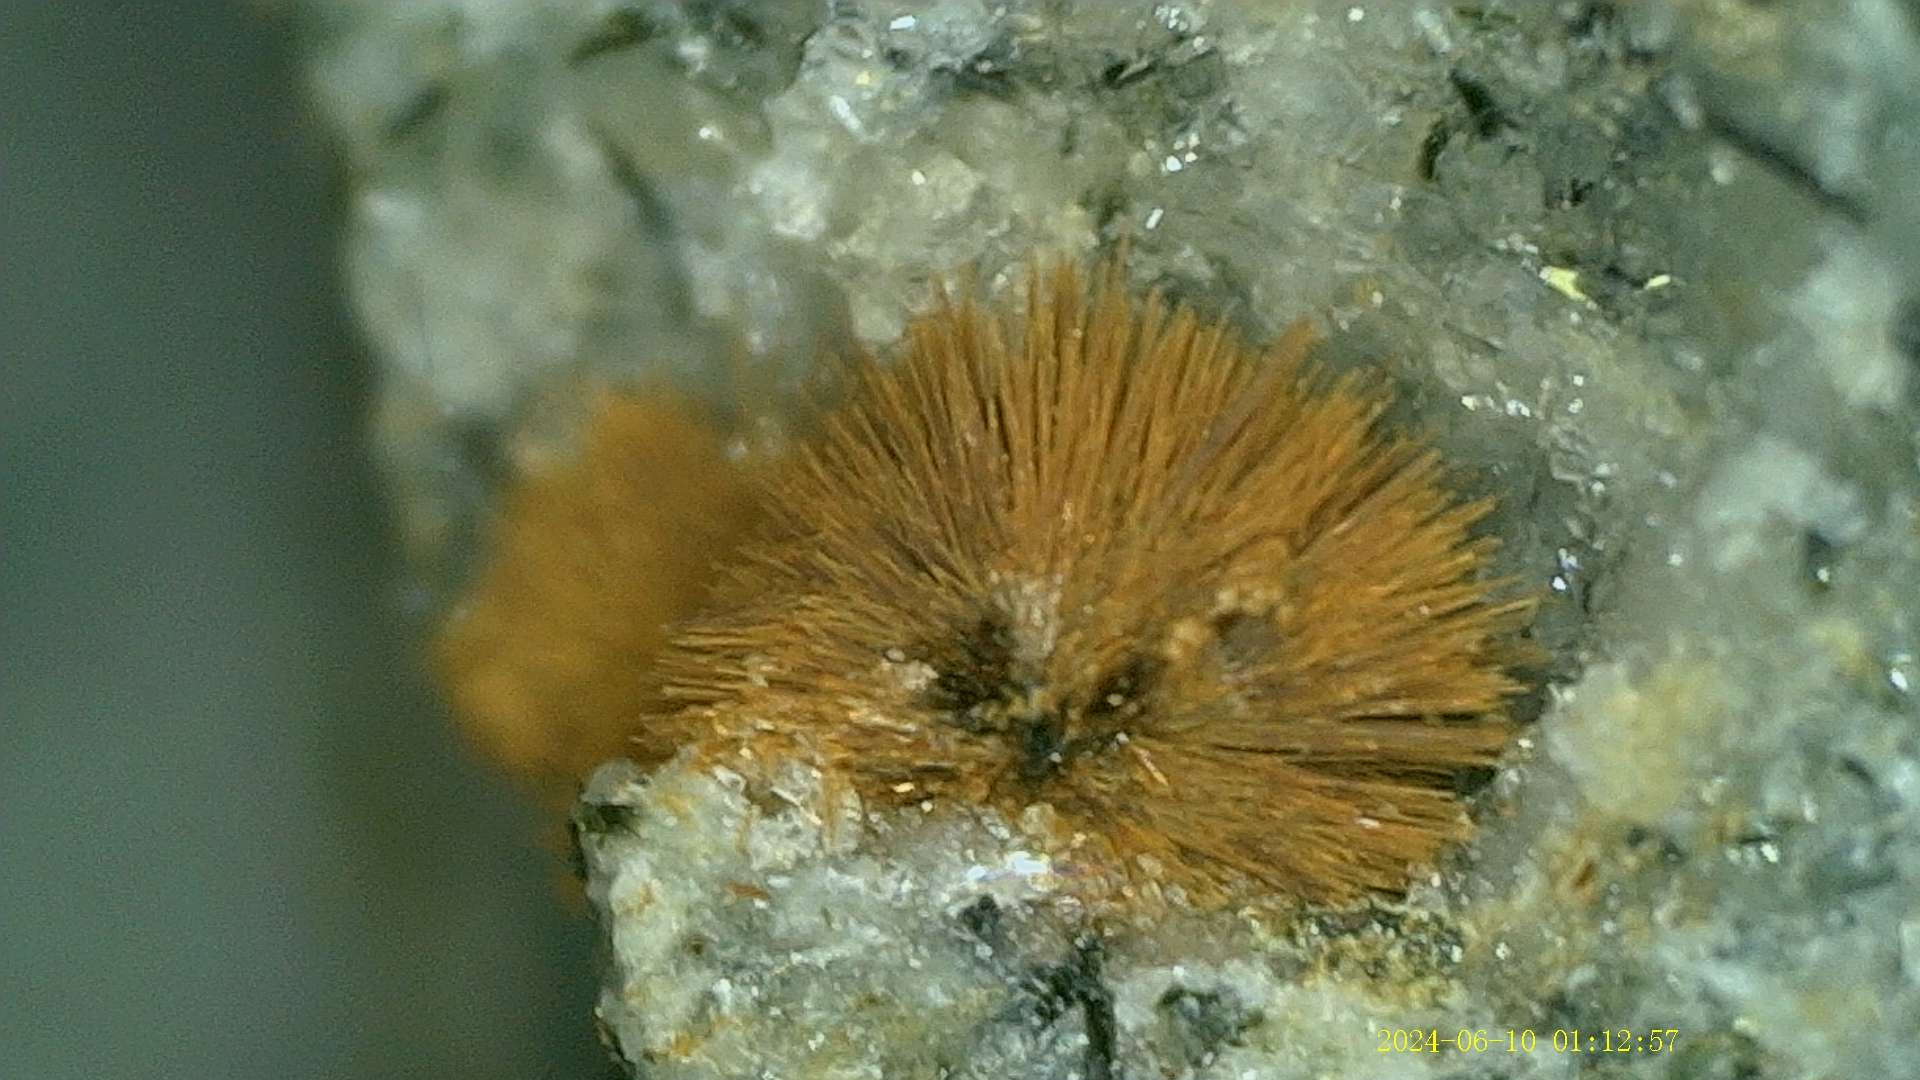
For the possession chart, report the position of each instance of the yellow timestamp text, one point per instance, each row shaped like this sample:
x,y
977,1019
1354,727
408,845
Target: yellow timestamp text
x,y
1527,1041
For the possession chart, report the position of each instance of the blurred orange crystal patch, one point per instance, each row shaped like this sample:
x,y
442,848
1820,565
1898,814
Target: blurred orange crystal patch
x,y
549,659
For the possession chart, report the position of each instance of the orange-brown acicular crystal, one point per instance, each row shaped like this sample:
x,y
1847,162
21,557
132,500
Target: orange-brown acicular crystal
x,y
1108,558
549,660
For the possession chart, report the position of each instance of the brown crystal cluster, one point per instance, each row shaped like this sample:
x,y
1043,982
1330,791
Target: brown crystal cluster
x,y
549,659
1101,556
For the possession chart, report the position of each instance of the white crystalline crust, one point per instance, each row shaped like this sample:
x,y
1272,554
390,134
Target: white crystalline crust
x,y
772,926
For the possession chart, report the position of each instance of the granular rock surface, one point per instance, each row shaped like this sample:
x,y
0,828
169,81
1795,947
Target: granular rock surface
x,y
1647,271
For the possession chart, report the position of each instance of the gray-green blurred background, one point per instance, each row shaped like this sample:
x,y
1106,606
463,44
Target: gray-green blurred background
x,y
227,800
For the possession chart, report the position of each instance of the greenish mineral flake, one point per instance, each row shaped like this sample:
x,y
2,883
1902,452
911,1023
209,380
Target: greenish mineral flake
x,y
1647,270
